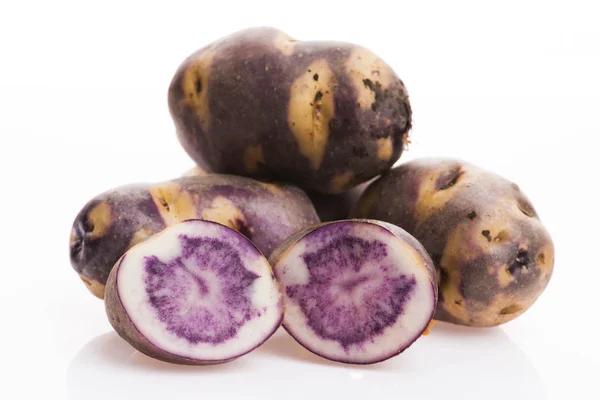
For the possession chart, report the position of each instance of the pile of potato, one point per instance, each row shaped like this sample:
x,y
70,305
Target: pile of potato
x,y
294,144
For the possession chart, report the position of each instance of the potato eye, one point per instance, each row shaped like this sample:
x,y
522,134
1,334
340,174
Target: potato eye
x,y
447,181
521,262
526,208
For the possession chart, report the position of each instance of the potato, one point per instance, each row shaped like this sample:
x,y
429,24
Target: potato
x,y
329,207
116,220
324,115
493,255
355,291
196,293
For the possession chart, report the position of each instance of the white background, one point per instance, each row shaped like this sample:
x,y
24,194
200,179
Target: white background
x,y
513,87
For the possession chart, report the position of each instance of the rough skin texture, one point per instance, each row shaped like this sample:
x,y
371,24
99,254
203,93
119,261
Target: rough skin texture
x,y
116,220
493,255
324,115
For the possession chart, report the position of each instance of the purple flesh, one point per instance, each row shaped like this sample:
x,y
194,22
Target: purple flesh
x,y
355,291
198,293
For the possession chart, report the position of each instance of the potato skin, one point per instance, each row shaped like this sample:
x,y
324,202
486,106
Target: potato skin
x,y
335,207
324,115
118,219
492,253
329,207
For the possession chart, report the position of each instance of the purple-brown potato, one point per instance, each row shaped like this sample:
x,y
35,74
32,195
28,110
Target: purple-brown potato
x,y
355,291
116,220
197,293
493,255
329,207
324,115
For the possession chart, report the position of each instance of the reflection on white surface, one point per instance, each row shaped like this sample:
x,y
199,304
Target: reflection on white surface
x,y
453,362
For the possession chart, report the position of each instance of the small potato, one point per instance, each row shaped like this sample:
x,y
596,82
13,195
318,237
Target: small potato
x,y
116,220
493,255
324,115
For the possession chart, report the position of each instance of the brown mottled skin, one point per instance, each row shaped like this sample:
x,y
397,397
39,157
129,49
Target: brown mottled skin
x,y
231,102
493,255
116,220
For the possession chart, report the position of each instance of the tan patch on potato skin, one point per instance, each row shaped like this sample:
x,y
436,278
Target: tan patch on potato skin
x,y
494,256
545,258
284,43
310,109
195,171
194,84
174,203
362,65
140,235
95,287
225,212
384,148
100,219
341,182
274,188
504,277
253,156
434,193
453,301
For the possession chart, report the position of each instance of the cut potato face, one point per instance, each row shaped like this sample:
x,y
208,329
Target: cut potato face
x,y
355,291
197,293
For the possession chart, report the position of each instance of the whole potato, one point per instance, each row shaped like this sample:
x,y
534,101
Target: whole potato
x,y
116,220
324,115
493,255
